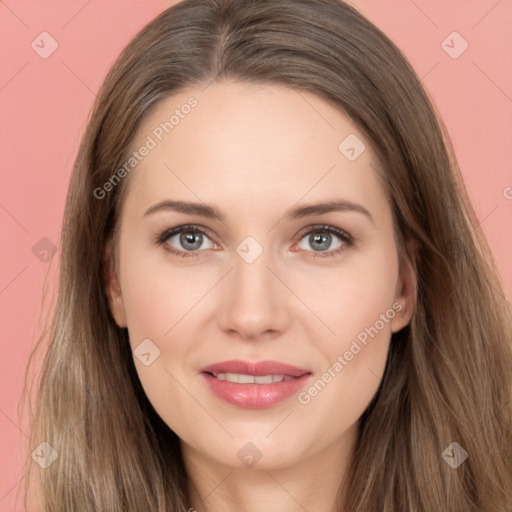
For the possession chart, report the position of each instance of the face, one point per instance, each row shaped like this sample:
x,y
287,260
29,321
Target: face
x,y
266,279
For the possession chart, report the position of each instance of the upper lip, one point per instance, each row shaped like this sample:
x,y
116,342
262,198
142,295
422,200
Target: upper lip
x,y
257,369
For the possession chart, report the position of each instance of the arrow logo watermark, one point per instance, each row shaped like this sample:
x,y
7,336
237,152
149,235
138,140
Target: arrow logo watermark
x,y
146,352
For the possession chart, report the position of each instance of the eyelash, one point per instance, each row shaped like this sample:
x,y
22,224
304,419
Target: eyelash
x,y
348,240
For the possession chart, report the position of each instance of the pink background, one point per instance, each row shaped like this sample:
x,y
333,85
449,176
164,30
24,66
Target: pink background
x,y
44,104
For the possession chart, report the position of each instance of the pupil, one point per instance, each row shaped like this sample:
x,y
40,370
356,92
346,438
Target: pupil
x,y
318,239
191,238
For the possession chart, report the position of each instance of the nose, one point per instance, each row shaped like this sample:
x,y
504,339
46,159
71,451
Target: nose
x,y
255,303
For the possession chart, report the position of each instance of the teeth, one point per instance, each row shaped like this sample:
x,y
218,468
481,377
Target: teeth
x,y
241,378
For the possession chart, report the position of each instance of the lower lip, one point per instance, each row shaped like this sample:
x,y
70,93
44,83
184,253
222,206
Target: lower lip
x,y
255,396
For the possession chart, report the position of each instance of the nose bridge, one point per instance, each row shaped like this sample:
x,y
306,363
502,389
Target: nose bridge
x,y
253,283
254,301
251,274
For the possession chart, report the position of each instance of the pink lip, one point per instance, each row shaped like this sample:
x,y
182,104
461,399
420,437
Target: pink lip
x,y
256,369
255,396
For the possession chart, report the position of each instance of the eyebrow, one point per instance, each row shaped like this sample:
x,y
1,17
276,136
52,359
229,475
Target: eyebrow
x,y
299,212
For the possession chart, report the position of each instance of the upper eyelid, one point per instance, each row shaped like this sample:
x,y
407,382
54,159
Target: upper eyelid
x,y
190,227
325,227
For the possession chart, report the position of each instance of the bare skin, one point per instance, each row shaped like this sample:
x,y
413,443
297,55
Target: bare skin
x,y
254,153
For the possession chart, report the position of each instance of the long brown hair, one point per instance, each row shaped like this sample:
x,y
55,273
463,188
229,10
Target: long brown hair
x,y
449,372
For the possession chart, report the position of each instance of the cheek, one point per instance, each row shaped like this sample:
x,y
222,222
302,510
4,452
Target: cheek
x,y
159,304
357,303
353,297
164,305
156,295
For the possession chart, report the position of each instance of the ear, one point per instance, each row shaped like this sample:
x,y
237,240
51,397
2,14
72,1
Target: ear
x,y
113,288
405,294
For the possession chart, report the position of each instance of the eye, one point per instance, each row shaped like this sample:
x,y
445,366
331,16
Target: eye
x,y
320,239
190,238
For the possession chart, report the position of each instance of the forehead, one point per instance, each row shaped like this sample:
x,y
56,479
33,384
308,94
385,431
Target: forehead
x,y
251,142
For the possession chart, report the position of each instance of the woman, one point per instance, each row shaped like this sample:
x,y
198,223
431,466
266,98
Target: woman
x,y
250,371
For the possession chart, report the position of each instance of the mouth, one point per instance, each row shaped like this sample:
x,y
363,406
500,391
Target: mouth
x,y
254,385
